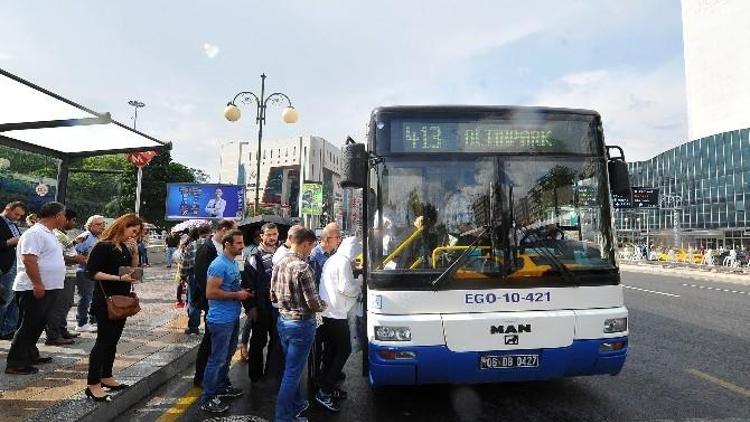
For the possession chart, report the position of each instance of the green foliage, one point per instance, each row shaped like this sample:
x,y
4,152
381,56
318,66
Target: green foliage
x,y
156,175
98,185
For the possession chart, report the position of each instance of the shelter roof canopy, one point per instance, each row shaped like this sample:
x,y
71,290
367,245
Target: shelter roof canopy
x,y
36,117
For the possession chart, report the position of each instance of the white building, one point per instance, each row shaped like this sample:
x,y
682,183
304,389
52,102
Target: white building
x,y
280,170
717,65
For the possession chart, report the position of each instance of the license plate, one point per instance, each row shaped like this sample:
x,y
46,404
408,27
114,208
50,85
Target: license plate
x,y
508,361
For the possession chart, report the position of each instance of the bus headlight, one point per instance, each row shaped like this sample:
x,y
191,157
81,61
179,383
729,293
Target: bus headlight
x,y
616,325
392,333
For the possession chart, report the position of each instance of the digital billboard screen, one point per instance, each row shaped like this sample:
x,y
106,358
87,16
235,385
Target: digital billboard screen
x,y
189,200
621,201
645,197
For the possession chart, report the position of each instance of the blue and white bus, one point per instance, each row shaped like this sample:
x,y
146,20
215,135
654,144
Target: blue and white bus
x,y
489,245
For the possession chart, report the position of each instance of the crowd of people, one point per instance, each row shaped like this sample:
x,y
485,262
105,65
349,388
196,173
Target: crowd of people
x,y
735,257
36,295
297,304
298,298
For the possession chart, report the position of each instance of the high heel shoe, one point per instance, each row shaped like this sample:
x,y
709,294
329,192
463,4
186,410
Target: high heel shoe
x,y
91,395
116,387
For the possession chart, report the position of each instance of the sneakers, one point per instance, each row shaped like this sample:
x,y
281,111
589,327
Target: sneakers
x,y
305,406
230,392
179,305
214,405
326,400
339,394
88,328
192,331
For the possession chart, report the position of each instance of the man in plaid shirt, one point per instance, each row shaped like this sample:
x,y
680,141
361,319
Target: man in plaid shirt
x,y
293,289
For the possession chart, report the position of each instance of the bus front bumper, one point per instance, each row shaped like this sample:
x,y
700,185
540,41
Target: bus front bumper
x,y
439,365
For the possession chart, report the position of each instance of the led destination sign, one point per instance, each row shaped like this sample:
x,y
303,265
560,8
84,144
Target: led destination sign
x,y
574,136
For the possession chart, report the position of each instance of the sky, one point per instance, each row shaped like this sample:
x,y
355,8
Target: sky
x,y
337,60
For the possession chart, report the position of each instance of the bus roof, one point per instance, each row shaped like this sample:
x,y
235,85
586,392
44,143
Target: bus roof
x,y
497,109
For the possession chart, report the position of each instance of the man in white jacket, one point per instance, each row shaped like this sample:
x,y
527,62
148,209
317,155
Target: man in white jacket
x,y
339,289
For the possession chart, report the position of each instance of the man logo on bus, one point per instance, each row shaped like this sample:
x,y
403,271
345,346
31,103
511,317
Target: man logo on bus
x,y
511,339
510,329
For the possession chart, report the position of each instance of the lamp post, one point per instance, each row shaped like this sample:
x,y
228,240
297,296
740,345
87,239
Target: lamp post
x,y
232,113
136,105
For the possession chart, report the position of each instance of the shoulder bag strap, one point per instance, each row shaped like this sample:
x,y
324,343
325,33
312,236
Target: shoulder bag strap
x,y
103,291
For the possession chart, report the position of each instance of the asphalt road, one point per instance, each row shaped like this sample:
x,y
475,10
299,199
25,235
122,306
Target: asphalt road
x,y
689,361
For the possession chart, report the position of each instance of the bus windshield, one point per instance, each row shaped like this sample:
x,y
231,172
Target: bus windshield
x,y
512,220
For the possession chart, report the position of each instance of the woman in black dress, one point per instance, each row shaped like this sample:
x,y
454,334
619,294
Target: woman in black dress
x,y
116,248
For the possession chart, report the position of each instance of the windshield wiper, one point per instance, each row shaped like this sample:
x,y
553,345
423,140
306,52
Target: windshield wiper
x,y
458,261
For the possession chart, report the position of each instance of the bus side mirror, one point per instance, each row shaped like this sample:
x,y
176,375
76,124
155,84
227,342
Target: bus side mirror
x,y
353,165
619,180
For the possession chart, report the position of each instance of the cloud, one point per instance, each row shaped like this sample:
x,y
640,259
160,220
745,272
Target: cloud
x,y
643,110
211,50
584,78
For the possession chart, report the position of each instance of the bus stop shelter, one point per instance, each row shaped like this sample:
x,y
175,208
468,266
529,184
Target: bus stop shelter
x,y
36,120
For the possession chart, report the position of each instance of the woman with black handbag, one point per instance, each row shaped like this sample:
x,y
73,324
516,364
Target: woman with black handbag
x,y
116,249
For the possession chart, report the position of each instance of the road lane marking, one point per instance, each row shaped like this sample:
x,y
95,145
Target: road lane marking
x,y
720,382
650,291
182,404
717,289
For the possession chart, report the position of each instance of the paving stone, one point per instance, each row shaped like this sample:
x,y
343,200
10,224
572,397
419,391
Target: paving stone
x,y
152,347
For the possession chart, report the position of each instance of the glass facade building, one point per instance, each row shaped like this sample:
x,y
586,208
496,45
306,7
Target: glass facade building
x,y
704,189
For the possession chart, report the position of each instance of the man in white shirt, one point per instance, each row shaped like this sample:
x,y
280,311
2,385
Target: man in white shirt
x,y
38,283
339,289
216,205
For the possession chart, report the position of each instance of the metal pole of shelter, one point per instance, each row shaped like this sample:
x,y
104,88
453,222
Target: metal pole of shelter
x,y
62,180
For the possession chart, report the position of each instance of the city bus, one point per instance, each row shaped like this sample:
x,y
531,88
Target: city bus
x,y
489,253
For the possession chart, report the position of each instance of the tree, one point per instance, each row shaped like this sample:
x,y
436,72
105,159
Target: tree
x,y
121,182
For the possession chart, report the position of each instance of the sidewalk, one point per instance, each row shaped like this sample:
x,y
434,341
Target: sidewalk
x,y
696,272
153,348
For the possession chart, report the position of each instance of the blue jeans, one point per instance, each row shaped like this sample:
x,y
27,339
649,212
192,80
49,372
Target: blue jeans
x,y
194,314
170,251
223,341
297,337
143,253
85,288
9,309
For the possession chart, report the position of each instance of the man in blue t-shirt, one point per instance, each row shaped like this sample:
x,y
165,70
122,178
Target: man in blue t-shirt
x,y
224,306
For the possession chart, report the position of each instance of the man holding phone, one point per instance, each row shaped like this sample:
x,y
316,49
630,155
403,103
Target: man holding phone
x,y
224,295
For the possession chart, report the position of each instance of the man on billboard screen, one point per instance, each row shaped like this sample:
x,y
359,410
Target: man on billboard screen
x,y
216,205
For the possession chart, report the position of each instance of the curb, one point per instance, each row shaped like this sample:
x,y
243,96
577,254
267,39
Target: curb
x,y
696,275
172,360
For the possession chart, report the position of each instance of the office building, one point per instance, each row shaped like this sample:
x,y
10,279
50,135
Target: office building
x,y
704,183
280,172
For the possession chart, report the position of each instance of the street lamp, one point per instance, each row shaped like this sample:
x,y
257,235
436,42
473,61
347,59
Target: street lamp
x,y
232,113
139,178
136,105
